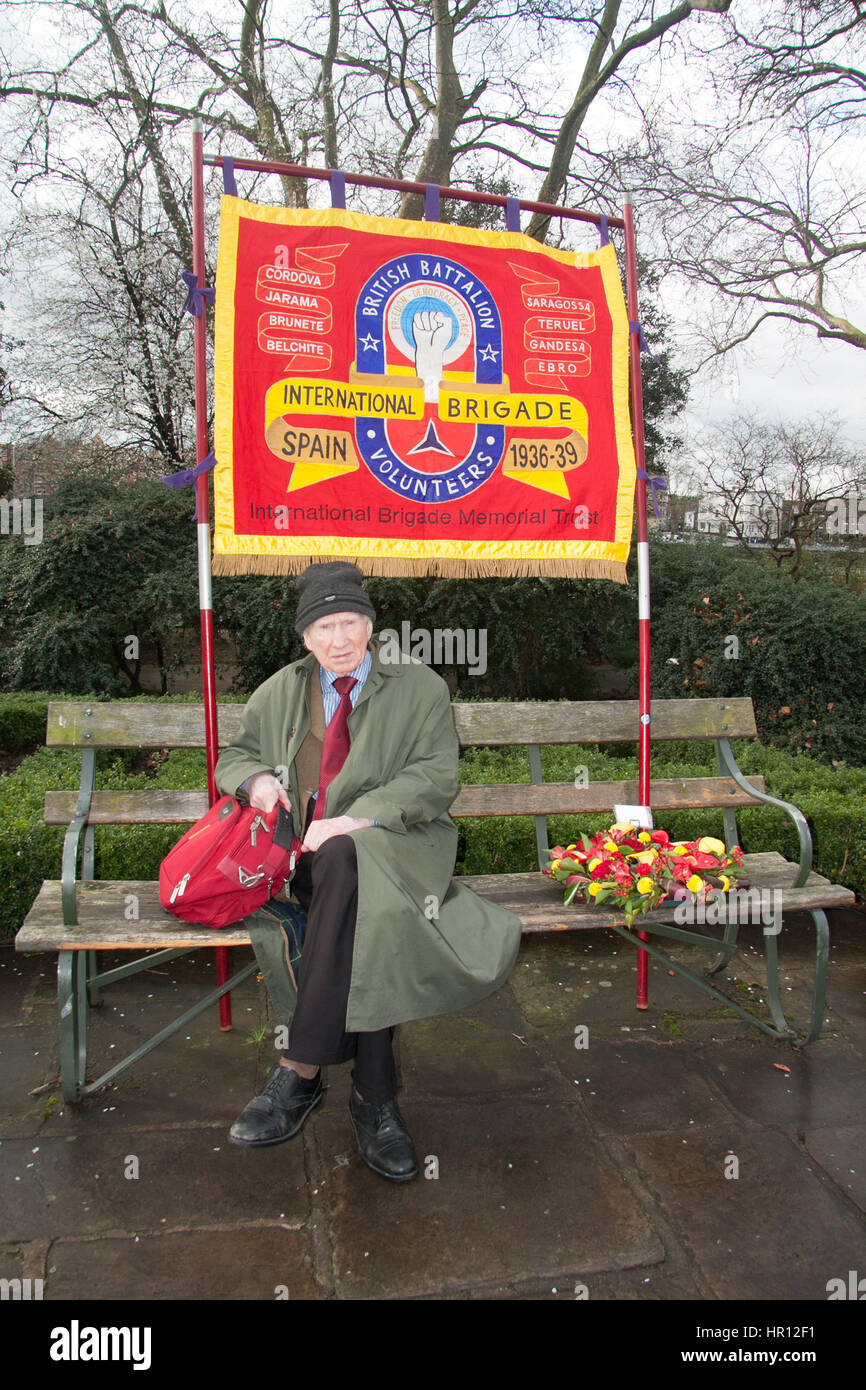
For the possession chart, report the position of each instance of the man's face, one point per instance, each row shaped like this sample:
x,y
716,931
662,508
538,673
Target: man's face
x,y
339,641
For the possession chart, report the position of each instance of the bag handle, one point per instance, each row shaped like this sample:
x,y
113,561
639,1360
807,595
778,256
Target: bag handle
x,y
284,830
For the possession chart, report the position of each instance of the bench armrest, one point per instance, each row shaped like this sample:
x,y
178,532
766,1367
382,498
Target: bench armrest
x,y
73,834
727,763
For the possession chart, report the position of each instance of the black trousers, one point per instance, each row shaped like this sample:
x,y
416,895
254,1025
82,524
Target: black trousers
x,y
326,885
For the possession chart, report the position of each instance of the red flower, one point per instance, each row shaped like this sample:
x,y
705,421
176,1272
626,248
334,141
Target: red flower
x,y
705,861
606,869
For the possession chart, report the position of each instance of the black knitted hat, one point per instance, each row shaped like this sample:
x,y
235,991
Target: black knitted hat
x,y
335,587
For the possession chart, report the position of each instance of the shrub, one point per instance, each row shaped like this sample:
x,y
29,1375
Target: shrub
x,y
22,720
726,626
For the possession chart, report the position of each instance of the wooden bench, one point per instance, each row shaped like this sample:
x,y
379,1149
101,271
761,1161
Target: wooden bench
x,y
79,916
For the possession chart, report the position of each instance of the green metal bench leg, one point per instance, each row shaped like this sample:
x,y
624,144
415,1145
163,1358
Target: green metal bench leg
x,y
822,961
72,1001
772,953
728,949
819,991
94,992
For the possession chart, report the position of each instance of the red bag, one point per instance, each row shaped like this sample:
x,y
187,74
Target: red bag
x,y
229,863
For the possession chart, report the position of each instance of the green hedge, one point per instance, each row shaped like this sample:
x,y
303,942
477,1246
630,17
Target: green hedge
x,y
834,800
725,626
22,720
24,714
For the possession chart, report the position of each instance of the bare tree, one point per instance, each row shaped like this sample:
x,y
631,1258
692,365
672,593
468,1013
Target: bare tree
x,y
771,484
762,200
96,146
805,55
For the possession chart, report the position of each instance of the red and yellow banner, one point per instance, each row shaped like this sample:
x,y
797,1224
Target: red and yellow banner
x,y
420,398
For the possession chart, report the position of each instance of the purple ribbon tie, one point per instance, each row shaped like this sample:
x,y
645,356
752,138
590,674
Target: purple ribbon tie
x,y
185,476
338,188
642,339
512,214
603,231
229,185
655,483
431,202
197,295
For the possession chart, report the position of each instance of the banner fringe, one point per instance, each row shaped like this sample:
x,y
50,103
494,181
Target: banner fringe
x,y
235,565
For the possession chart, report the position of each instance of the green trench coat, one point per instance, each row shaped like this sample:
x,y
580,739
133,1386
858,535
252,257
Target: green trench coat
x,y
424,944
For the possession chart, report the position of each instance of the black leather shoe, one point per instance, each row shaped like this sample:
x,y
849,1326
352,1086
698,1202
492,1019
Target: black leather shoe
x,y
382,1139
280,1111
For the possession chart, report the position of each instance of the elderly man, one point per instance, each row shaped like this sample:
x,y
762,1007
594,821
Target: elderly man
x,y
364,753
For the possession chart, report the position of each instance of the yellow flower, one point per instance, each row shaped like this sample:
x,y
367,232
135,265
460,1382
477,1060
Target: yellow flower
x,y
593,863
726,883
695,883
556,863
647,856
571,847
611,846
679,849
595,889
645,885
645,837
710,846
623,826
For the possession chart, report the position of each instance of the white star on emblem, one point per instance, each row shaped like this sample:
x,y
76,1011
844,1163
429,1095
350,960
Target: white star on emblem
x,y
489,354
370,342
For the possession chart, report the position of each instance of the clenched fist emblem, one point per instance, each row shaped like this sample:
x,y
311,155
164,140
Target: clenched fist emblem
x,y
431,331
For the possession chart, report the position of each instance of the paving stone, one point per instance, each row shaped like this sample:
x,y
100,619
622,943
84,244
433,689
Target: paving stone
x,y
842,1153
25,1259
77,1186
478,1050
580,983
178,1083
649,1283
775,1232
28,1060
250,1263
624,1087
823,1084
523,1190
555,976
846,1001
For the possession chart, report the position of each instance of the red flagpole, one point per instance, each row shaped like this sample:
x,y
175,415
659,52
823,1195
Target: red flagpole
x,y
208,675
642,553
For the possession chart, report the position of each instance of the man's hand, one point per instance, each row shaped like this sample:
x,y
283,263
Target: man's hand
x,y
265,790
321,830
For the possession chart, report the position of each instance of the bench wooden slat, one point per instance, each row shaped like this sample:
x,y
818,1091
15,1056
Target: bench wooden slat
x,y
563,798
125,724
601,721
148,807
162,807
538,902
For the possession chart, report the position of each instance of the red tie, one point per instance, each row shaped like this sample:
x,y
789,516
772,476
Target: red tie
x,y
335,745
